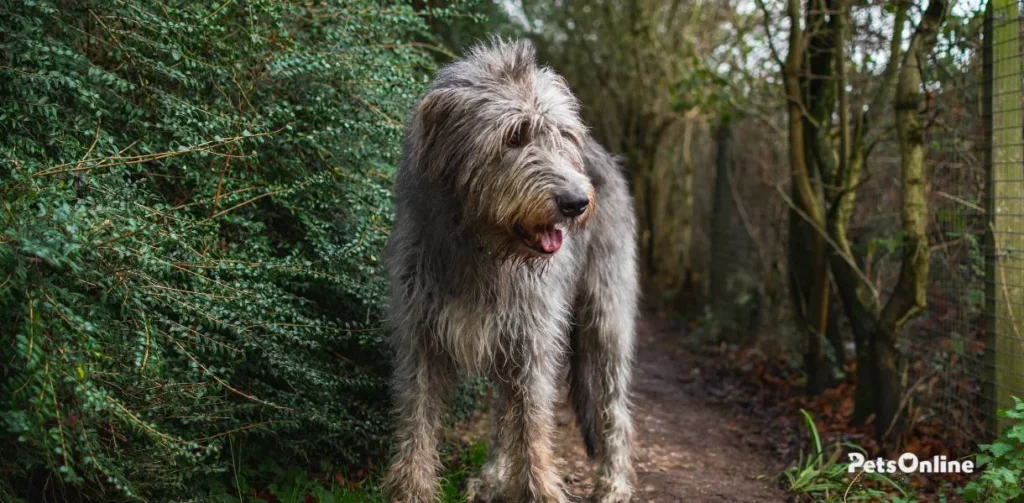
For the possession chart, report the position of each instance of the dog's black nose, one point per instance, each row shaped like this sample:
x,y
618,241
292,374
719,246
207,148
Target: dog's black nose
x,y
572,204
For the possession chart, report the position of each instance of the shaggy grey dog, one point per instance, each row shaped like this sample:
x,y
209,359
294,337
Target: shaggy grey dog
x,y
513,251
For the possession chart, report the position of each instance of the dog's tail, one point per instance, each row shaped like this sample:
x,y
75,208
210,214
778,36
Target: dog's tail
x,y
582,392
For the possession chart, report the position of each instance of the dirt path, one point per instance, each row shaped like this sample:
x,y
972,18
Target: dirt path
x,y
687,449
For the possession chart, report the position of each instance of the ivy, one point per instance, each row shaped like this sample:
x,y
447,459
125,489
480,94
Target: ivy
x,y
1001,462
194,198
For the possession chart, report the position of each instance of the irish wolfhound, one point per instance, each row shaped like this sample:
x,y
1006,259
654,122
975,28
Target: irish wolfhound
x,y
513,247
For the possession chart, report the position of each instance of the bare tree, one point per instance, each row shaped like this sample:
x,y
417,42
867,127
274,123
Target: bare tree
x,y
829,144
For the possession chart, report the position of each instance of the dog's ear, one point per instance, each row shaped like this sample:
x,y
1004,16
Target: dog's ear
x,y
434,112
436,107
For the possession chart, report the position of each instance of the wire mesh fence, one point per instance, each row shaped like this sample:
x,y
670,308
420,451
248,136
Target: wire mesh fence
x,y
963,356
1004,362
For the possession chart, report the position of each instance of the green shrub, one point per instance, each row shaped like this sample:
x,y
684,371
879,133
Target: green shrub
x,y
194,197
1003,463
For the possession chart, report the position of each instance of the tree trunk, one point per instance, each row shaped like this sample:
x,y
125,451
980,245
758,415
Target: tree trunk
x,y
722,212
689,124
812,291
862,313
861,305
641,149
910,296
836,354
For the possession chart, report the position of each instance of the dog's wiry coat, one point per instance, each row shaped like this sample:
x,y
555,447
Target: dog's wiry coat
x,y
491,272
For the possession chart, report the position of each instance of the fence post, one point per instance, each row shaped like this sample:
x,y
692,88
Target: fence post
x,y
722,247
1005,206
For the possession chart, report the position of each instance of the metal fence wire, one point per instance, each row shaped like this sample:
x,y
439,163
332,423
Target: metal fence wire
x,y
964,355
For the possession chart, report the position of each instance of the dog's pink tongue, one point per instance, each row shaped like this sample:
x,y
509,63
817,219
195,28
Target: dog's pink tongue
x,y
551,240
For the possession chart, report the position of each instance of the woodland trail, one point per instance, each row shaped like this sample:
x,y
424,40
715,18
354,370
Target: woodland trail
x,y
687,448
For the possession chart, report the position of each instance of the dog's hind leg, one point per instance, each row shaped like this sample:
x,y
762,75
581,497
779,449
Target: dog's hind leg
x,y
423,382
601,346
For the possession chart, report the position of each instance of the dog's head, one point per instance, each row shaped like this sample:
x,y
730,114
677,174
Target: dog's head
x,y
504,137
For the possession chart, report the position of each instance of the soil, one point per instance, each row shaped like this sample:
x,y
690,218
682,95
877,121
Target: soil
x,y
688,448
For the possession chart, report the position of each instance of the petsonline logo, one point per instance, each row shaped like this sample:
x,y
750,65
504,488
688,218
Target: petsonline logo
x,y
908,463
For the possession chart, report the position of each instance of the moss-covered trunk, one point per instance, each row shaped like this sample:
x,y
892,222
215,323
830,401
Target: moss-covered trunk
x,y
808,253
910,296
860,302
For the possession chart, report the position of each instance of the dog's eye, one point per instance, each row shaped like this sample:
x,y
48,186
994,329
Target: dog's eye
x,y
517,138
571,138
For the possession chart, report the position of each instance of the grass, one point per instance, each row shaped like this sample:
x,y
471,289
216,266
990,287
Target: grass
x,y
268,483
821,476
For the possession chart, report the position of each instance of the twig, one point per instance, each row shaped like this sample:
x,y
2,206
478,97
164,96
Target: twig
x,y
106,162
145,356
745,219
435,48
846,258
958,200
141,423
226,385
126,52
904,400
220,184
95,139
377,111
768,34
234,466
215,11
1006,291
236,430
852,482
252,200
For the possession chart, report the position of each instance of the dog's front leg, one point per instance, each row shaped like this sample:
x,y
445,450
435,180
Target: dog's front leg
x,y
526,429
422,384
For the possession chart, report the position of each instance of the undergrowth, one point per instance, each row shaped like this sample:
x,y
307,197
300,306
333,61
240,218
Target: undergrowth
x,y
268,481
193,200
1001,462
821,476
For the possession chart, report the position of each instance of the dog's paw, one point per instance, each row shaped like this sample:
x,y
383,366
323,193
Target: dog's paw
x,y
480,490
623,496
608,491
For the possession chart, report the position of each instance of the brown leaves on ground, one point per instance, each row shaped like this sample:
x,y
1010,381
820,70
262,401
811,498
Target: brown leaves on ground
x,y
772,391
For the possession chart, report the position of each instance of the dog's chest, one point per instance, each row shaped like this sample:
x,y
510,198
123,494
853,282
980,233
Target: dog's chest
x,y
505,316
